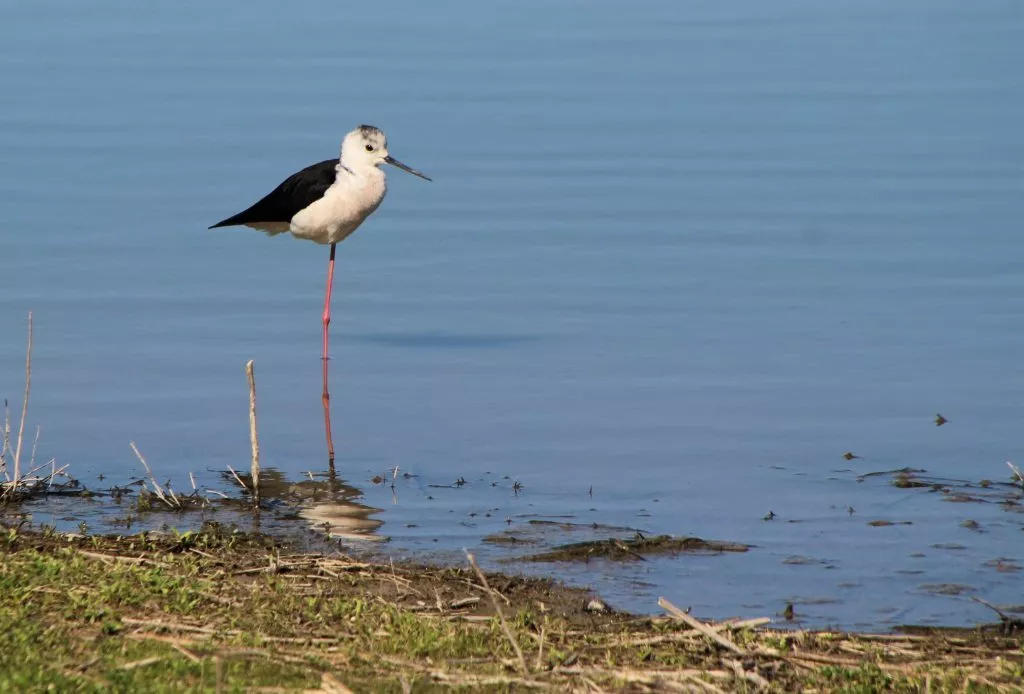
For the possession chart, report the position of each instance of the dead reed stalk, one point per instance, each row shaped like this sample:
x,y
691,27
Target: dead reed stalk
x,y
1016,472
24,404
253,437
168,498
238,479
6,445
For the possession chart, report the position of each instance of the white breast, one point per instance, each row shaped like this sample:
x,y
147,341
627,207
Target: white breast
x,y
341,210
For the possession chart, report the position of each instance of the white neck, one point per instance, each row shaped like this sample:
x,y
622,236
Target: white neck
x,y
361,170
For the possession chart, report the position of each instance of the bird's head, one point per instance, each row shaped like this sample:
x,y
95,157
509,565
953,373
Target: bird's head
x,y
366,147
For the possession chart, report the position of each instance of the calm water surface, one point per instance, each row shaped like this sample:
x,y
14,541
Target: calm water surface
x,y
686,255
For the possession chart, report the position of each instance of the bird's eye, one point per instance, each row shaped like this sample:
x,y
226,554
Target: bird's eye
x,y
369,148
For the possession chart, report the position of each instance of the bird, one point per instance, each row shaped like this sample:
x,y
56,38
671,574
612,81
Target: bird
x,y
325,203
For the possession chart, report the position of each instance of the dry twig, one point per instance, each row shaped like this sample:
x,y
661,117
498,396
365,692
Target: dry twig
x,y
540,649
142,663
185,652
700,626
329,684
113,557
238,479
707,686
737,668
501,616
1006,619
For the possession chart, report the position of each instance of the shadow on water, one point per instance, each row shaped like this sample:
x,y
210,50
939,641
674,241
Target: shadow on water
x,y
444,340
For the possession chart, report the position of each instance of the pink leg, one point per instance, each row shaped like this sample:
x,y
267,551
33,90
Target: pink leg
x,y
327,323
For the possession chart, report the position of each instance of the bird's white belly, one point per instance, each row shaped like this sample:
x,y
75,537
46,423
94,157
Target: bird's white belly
x,y
332,218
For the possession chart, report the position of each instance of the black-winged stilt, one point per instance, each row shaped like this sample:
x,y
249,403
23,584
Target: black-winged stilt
x,y
325,203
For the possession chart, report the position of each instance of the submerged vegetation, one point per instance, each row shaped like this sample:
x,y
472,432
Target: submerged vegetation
x,y
224,611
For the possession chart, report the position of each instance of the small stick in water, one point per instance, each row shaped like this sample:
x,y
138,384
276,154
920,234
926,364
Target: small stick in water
x,y
253,438
237,478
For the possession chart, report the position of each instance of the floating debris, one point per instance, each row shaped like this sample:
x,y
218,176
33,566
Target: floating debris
x,y
906,481
883,473
1003,565
956,491
635,549
457,484
945,588
568,526
798,560
509,538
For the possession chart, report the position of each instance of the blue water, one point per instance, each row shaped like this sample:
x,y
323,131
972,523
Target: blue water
x,y
684,254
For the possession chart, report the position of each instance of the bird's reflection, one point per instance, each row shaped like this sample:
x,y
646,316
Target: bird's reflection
x,y
326,502
346,519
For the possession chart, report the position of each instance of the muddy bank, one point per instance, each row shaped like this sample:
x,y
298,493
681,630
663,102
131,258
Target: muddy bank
x,y
225,610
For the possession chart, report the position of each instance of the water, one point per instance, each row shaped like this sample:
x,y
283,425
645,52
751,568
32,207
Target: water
x,y
686,256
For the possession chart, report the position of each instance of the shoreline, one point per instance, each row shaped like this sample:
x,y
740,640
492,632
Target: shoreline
x,y
227,611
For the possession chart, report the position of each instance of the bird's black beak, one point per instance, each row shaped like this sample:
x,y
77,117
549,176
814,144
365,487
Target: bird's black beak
x,y
394,162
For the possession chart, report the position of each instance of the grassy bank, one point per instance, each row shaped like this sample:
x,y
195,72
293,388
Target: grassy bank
x,y
216,611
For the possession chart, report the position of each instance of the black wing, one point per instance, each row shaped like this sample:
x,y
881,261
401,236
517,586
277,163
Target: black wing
x,y
297,192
